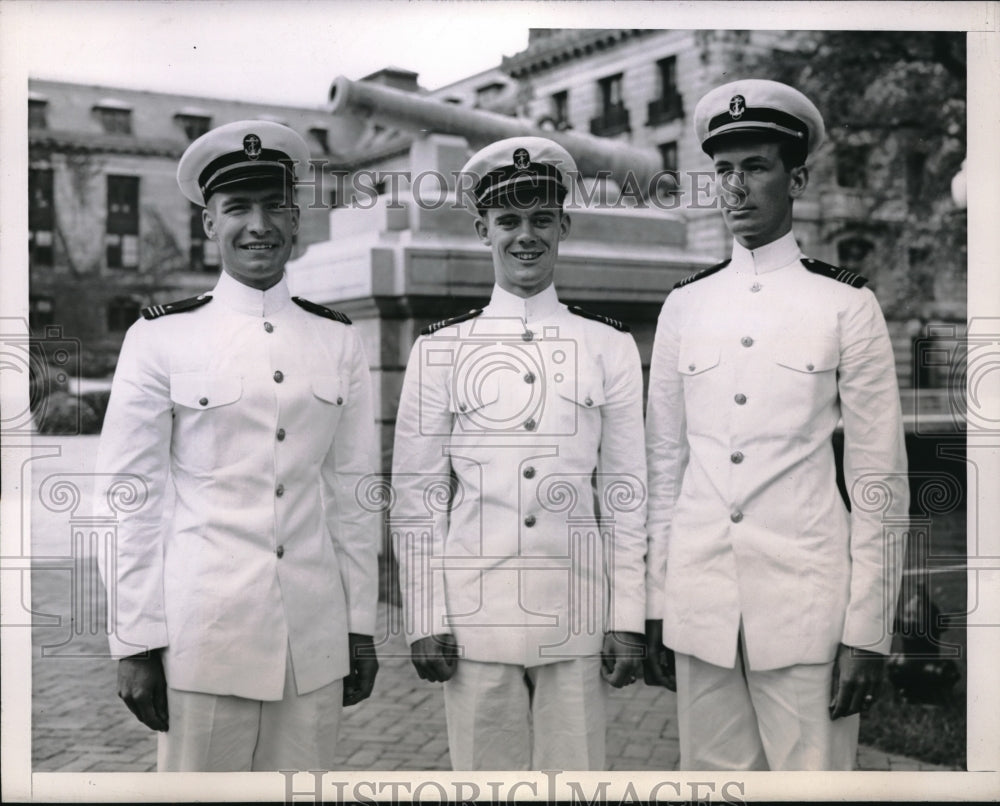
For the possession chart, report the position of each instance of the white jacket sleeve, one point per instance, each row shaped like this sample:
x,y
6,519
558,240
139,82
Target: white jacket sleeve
x,y
666,453
421,473
875,470
621,475
132,471
350,466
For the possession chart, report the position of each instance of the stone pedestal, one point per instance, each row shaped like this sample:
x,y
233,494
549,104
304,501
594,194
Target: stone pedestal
x,y
413,258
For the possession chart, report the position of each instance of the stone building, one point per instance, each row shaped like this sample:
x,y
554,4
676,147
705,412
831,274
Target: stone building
x,y
109,231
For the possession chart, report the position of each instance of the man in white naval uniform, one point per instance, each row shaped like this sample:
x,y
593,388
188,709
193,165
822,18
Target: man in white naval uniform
x,y
777,601
519,592
243,616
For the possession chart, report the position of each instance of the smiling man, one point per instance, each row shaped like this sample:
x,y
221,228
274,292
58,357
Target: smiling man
x,y
776,599
243,614
520,496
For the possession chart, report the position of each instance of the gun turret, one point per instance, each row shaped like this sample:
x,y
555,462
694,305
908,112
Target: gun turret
x,y
595,156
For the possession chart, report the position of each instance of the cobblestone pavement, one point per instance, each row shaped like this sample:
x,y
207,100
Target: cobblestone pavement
x,y
80,725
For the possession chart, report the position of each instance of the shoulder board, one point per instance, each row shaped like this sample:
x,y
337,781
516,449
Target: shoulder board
x,y
700,275
321,310
597,317
167,308
840,275
464,317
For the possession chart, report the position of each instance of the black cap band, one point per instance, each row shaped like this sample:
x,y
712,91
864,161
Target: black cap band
x,y
540,180
236,167
761,119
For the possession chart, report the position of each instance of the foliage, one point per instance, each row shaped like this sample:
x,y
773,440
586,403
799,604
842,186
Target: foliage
x,y
66,414
898,97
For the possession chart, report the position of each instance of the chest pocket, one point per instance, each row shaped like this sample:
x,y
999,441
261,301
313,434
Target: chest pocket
x,y
695,358
587,392
809,357
204,390
474,404
330,389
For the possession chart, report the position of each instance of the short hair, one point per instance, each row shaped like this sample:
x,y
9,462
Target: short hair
x,y
792,152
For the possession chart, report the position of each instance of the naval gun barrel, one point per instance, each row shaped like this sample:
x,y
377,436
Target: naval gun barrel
x,y
595,156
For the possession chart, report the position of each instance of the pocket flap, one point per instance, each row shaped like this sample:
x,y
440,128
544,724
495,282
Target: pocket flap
x,y
474,397
330,388
586,390
809,356
205,390
695,358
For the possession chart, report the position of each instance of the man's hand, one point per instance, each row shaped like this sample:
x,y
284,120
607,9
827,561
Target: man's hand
x,y
621,657
143,686
360,681
857,678
435,657
658,667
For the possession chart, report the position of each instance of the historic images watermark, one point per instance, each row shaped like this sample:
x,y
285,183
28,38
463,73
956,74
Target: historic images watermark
x,y
549,786
435,190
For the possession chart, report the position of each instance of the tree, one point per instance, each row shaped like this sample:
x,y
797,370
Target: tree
x,y
894,105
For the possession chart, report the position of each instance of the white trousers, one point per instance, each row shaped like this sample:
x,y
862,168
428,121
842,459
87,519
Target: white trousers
x,y
739,719
216,733
506,717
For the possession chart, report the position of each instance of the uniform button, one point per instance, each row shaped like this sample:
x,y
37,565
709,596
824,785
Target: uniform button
x,y
340,401
588,402
280,551
462,407
529,472
529,521
529,377
268,327
281,434
810,367
203,401
279,490
279,376
690,367
527,335
736,517
737,457
755,288
746,341
740,399
529,424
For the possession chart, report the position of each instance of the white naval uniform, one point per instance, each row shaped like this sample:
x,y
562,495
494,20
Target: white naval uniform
x,y
753,365
523,404
258,413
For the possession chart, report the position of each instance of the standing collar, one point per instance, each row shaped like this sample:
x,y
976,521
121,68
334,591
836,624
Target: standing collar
x,y
769,257
542,304
243,298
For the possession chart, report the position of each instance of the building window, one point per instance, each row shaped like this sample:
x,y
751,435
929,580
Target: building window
x,y
614,118
122,238
194,125
41,216
38,117
668,154
116,118
41,313
204,253
560,110
852,165
668,105
122,313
